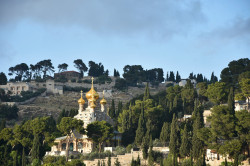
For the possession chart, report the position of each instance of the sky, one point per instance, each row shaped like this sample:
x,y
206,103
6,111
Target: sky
x,y
200,36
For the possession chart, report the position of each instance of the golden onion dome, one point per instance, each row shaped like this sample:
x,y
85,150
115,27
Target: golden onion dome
x,y
92,105
92,102
81,100
103,101
92,92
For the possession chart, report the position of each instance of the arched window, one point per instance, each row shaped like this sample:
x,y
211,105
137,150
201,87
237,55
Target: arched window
x,y
64,146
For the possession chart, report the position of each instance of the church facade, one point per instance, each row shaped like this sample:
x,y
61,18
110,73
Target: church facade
x,y
78,143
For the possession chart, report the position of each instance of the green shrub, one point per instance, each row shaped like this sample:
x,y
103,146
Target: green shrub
x,y
79,81
73,80
119,150
129,147
75,162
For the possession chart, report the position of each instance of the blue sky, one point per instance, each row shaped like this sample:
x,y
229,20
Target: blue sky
x,y
199,36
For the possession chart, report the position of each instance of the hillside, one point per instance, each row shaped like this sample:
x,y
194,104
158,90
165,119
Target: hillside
x,y
53,104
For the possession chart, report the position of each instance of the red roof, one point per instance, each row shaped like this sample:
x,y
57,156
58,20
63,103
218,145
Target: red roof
x,y
69,72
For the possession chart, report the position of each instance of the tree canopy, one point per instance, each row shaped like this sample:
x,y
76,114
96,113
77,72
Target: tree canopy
x,y
100,132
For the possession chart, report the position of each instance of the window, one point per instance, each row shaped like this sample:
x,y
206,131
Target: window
x,y
64,146
71,146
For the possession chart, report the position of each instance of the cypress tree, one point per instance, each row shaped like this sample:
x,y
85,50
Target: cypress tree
x,y
184,149
145,147
141,128
150,157
23,158
103,163
230,101
167,77
178,77
5,155
165,133
15,159
146,93
112,109
3,124
138,161
150,153
174,140
117,163
149,129
171,76
119,109
197,145
98,164
35,153
115,73
109,161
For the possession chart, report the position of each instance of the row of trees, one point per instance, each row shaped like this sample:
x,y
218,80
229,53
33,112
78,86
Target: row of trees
x,y
132,74
149,117
28,142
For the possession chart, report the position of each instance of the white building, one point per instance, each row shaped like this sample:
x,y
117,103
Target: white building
x,y
16,87
78,143
240,105
183,82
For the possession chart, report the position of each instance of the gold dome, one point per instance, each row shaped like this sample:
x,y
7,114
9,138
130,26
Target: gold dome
x,y
103,101
92,105
81,100
92,92
92,102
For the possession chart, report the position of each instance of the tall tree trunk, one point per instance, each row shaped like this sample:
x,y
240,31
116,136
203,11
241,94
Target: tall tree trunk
x,y
100,147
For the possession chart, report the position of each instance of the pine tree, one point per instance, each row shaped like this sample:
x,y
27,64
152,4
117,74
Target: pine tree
x,y
146,93
35,152
230,101
184,149
165,133
174,140
140,132
23,158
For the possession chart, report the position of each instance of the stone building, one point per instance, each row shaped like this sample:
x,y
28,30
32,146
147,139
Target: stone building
x,y
68,75
78,143
16,87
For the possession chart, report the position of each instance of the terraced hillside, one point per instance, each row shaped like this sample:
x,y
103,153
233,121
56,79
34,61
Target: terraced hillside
x,y
53,104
